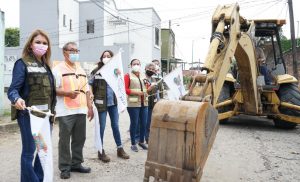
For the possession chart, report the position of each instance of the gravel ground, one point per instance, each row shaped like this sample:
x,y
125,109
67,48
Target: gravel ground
x,y
246,149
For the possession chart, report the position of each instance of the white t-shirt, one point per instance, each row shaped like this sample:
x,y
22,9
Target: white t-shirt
x,y
60,107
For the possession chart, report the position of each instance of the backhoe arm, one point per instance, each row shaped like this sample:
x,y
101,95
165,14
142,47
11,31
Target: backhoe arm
x,y
227,41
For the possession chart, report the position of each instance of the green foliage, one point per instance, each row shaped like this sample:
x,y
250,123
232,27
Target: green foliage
x,y
6,113
187,81
12,37
286,44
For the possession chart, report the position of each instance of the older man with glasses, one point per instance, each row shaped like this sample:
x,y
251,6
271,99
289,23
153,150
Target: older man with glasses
x,y
73,103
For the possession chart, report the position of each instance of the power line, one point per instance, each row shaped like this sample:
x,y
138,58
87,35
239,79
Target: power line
x,y
264,9
146,26
102,20
284,7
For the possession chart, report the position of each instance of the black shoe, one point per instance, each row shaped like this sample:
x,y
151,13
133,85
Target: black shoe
x,y
144,146
81,169
65,175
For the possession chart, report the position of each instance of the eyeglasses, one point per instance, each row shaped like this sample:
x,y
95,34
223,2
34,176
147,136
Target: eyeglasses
x,y
73,50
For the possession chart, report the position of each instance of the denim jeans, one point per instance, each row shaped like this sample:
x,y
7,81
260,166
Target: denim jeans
x,y
28,172
114,120
264,71
138,116
150,109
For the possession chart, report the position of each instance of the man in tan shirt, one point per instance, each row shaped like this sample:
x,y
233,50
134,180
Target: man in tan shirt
x,y
261,59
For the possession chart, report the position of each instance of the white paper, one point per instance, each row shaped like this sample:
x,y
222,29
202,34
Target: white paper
x,y
40,128
174,80
97,139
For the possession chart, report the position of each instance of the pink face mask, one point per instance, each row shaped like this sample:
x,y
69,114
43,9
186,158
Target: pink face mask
x,y
39,49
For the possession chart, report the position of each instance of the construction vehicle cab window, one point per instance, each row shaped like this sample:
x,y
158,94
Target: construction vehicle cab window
x,y
245,74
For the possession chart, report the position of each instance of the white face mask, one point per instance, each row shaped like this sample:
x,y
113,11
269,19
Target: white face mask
x,y
136,68
156,67
105,60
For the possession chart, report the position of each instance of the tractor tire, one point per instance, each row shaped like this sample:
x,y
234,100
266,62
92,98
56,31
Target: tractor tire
x,y
288,93
224,95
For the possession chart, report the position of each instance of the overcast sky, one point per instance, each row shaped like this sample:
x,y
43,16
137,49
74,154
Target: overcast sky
x,y
190,18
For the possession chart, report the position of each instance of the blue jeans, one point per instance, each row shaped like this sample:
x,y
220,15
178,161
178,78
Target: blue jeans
x,y
150,109
264,71
138,116
28,173
114,120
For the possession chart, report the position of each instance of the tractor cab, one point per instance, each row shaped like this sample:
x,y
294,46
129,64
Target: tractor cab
x,y
267,36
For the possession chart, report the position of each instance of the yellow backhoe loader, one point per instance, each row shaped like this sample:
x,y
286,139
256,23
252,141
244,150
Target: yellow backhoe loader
x,y
182,132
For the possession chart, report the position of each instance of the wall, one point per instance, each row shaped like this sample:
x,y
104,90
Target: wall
x,y
2,31
90,44
289,61
33,16
11,55
156,22
141,34
70,8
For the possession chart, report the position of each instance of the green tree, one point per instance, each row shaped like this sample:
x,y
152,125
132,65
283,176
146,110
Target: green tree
x,y
286,44
12,37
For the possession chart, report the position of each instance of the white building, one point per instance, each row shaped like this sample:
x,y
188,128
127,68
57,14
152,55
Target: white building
x,y
135,31
59,18
95,25
138,28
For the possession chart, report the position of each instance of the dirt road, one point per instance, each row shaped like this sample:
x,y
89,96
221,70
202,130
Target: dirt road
x,y
247,149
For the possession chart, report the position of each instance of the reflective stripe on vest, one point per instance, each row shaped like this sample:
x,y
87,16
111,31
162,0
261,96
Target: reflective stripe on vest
x,y
135,85
71,81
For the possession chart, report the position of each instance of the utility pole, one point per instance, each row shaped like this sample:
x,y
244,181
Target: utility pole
x,y
295,66
297,33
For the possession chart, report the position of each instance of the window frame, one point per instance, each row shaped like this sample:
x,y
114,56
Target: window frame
x,y
90,26
64,20
156,36
71,28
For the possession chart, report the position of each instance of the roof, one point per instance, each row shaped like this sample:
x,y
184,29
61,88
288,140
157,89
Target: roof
x,y
278,22
168,30
149,8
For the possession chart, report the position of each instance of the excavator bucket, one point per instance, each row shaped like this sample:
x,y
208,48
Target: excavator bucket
x,y
182,134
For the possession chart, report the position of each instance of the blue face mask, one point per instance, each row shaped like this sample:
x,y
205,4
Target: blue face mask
x,y
74,57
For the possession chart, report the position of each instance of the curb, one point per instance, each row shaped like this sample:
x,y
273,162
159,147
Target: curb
x,y
9,127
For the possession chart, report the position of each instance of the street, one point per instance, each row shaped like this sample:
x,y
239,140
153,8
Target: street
x,y
246,149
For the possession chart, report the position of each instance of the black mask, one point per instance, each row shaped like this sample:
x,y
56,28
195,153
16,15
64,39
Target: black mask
x,y
149,73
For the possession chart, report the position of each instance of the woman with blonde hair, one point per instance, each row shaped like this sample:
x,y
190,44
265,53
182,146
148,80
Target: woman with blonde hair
x,y
32,85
